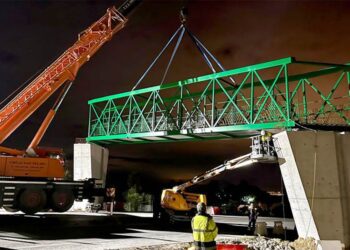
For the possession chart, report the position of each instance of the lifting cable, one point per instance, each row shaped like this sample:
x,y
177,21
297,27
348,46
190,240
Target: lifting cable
x,y
21,87
203,50
199,45
24,85
156,59
173,54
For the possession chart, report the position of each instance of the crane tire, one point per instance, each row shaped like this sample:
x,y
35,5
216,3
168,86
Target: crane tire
x,y
61,200
32,201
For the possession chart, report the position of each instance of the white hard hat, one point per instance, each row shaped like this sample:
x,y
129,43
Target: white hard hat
x,y
201,207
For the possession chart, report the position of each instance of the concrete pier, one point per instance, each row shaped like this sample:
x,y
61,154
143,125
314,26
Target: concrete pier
x,y
315,167
90,161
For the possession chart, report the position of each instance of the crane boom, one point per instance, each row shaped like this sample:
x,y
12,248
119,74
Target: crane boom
x,y
262,151
63,69
228,165
179,204
35,162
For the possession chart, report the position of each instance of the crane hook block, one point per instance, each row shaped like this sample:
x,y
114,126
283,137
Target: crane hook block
x,y
183,15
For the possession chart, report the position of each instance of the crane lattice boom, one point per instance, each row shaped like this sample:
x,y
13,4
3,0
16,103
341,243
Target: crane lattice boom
x,y
60,71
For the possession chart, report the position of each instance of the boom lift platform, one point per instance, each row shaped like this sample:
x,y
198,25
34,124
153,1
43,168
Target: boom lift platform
x,y
180,205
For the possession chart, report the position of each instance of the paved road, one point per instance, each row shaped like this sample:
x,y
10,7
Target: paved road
x,y
240,221
93,231
83,231
243,221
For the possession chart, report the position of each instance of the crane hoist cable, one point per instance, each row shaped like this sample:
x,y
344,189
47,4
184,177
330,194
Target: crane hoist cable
x,y
31,78
203,50
17,90
206,54
156,59
173,54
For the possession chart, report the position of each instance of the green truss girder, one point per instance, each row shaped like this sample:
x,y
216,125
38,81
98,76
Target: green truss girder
x,y
272,95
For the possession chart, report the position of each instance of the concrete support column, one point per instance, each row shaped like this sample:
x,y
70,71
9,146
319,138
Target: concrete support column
x,y
90,161
315,167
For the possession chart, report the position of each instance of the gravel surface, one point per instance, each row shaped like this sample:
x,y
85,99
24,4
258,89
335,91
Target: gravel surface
x,y
258,243
180,246
253,243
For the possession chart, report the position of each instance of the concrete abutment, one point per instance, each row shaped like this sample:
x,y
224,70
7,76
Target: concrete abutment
x,y
315,167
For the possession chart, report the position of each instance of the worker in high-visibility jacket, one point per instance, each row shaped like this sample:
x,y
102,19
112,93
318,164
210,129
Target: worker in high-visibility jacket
x,y
204,229
265,136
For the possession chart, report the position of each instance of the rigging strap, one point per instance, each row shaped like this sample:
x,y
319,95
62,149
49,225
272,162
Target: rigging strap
x,y
207,56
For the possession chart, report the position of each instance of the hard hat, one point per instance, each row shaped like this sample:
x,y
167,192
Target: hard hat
x,y
262,132
201,207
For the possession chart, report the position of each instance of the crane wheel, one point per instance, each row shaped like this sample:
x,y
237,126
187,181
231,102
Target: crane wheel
x,y
61,200
32,201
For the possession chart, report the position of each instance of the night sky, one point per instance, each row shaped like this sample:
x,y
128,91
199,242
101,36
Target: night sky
x,y
238,33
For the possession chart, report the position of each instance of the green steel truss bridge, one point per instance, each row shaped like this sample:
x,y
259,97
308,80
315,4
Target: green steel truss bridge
x,y
274,95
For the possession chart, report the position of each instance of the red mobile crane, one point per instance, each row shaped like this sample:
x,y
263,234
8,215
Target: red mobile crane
x,y
32,179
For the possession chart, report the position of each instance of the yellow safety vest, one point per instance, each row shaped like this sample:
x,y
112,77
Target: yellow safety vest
x,y
204,229
266,137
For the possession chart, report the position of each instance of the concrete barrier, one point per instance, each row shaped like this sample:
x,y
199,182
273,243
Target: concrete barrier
x,y
261,229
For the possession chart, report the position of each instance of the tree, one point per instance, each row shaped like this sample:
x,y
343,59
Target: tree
x,y
133,199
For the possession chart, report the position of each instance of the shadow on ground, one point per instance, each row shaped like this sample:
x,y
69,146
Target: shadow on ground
x,y
63,226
